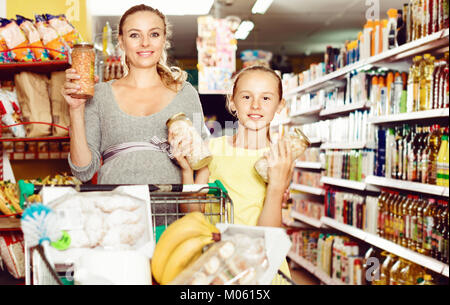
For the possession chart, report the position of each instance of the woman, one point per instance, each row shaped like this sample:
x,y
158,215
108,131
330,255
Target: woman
x,y
124,123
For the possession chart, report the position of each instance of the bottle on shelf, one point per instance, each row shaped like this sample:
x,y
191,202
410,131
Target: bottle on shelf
x,y
434,145
420,225
426,280
436,233
414,229
442,178
422,94
401,27
386,268
407,208
412,148
428,223
406,138
444,246
425,152
413,85
394,273
404,222
381,213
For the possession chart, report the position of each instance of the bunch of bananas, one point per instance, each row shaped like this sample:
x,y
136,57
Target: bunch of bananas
x,y
9,198
180,245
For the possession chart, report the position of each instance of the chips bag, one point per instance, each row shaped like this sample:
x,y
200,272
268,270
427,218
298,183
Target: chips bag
x,y
34,38
64,29
5,55
15,40
51,39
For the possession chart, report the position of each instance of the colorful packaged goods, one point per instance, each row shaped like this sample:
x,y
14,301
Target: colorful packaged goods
x,y
51,39
64,29
15,40
34,39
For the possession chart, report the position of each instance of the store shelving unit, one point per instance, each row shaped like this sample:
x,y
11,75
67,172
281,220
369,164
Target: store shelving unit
x,y
420,259
347,145
308,189
310,165
314,270
317,223
411,116
9,223
408,185
310,111
356,185
433,41
343,109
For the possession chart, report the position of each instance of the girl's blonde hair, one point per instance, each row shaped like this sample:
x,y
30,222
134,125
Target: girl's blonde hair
x,y
236,78
170,75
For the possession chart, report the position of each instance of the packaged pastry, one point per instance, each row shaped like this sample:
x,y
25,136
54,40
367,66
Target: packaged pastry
x,y
51,39
83,61
64,29
181,127
298,141
34,39
5,54
15,40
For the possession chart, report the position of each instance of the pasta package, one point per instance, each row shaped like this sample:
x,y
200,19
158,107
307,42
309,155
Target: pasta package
x,y
34,39
12,252
51,39
64,29
16,41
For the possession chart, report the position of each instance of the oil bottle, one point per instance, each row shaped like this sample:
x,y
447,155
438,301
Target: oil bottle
x,y
444,246
413,85
394,274
399,218
425,152
442,176
420,207
386,267
436,234
428,223
423,93
413,224
434,143
387,216
405,222
381,208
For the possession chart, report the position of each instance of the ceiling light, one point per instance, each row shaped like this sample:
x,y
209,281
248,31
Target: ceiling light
x,y
244,29
261,6
172,7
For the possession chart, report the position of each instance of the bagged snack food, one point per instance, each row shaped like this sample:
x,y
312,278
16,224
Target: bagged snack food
x,y
15,40
51,39
34,38
64,29
298,141
9,193
181,127
83,61
59,106
236,260
10,112
12,253
5,55
32,94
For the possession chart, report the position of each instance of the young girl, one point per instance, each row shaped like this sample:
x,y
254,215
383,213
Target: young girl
x,y
256,97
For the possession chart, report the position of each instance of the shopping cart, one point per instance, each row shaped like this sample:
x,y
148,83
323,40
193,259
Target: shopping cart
x,y
168,203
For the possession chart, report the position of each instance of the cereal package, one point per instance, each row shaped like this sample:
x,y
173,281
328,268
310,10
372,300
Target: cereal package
x,y
16,41
51,39
34,38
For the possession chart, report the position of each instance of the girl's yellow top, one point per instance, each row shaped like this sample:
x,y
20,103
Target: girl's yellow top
x,y
234,167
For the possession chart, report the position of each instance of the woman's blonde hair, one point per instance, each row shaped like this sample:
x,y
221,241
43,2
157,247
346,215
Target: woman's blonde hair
x,y
236,78
170,75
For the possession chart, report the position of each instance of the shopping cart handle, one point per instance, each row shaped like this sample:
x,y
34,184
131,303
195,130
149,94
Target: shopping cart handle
x,y
216,187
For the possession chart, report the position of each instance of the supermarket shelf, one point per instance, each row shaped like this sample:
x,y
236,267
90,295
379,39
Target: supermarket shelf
x,y
320,274
42,67
356,185
312,165
9,223
347,145
310,111
33,139
278,122
435,40
315,140
308,220
343,109
308,189
425,261
419,115
408,185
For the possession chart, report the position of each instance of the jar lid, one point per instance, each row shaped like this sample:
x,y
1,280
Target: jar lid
x,y
176,117
83,44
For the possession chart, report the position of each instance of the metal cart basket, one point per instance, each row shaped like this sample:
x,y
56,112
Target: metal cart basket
x,y
168,203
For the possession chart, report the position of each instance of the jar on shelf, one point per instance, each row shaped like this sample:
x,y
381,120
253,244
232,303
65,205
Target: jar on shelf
x,y
298,142
83,61
181,126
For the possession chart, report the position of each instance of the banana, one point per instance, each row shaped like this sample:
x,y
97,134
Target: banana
x,y
185,254
11,195
191,225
